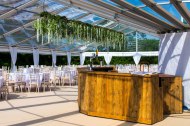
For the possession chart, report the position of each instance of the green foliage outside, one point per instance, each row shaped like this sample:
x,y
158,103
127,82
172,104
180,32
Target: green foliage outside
x,y
27,59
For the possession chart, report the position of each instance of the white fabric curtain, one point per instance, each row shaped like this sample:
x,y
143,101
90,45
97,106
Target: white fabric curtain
x,y
54,57
36,57
174,59
137,58
82,58
68,58
108,58
13,51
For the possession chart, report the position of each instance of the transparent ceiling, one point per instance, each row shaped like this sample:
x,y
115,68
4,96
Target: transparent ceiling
x,y
17,17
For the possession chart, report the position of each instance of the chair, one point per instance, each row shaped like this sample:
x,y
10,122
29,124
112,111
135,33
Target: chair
x,y
36,70
66,78
34,80
46,81
57,78
75,80
4,91
1,72
20,83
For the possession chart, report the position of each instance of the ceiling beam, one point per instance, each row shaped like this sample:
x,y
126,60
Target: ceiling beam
x,y
143,13
106,13
180,6
14,11
130,16
157,8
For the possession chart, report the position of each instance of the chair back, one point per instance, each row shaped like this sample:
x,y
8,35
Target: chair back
x,y
67,74
36,70
6,79
34,78
20,77
1,72
46,77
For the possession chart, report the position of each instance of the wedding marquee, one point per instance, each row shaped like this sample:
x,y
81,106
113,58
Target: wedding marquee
x,y
167,20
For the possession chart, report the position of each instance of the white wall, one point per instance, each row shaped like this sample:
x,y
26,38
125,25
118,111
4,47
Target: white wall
x,y
174,59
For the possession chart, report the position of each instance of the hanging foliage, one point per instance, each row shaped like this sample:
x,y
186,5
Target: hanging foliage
x,y
54,28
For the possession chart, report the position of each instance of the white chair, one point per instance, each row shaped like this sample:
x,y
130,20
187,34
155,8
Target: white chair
x,y
20,82
34,80
66,78
4,90
57,78
46,82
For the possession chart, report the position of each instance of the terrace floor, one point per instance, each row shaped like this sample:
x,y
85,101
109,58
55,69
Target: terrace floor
x,y
60,108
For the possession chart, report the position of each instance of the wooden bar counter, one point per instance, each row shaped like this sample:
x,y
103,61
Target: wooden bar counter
x,y
121,96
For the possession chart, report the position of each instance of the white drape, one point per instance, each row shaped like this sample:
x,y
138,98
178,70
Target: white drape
x,y
36,57
108,58
54,57
82,58
174,59
13,51
68,58
137,58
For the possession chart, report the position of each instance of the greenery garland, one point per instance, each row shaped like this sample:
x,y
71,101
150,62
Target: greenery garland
x,y
54,28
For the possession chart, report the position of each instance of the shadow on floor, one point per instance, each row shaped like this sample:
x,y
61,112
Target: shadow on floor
x,y
44,119
178,116
127,124
59,102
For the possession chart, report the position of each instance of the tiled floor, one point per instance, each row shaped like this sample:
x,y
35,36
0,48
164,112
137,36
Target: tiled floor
x,y
60,108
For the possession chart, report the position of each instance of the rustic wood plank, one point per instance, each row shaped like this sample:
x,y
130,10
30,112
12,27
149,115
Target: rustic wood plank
x,y
172,93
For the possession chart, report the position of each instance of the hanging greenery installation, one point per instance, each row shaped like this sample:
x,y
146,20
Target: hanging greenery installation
x,y
54,28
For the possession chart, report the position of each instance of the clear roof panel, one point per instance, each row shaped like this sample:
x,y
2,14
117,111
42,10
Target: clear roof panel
x,y
23,15
72,12
4,9
135,2
104,22
52,5
153,13
31,12
162,1
188,5
6,28
112,3
172,10
90,18
14,3
118,27
128,30
7,25
37,7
